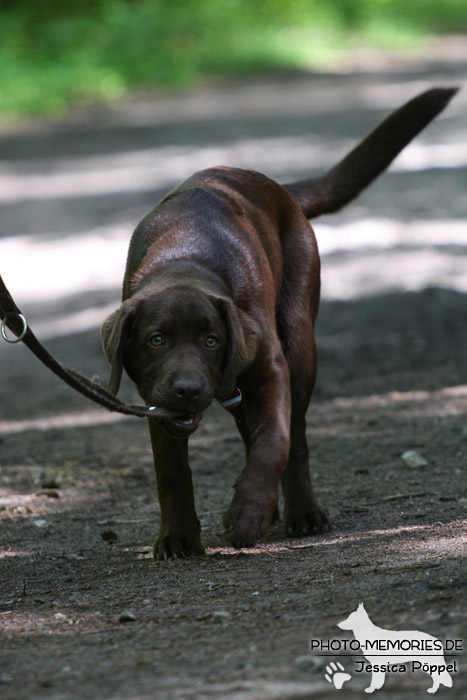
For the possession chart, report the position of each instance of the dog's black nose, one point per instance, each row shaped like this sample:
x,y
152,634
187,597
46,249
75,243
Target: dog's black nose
x,y
187,389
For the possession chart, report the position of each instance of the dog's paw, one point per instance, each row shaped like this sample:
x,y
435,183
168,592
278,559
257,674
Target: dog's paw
x,y
314,521
178,545
246,521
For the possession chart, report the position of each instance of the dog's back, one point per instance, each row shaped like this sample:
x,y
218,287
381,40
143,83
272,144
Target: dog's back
x,y
235,223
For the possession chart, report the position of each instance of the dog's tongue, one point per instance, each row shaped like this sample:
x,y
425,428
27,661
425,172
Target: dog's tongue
x,y
190,421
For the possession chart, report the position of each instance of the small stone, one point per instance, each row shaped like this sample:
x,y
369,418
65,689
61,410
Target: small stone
x,y
127,616
109,535
5,678
413,459
40,523
221,616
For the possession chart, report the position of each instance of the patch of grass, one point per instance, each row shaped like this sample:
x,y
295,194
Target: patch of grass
x,y
54,54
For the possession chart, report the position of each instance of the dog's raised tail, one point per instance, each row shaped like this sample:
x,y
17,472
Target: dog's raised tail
x,y
332,191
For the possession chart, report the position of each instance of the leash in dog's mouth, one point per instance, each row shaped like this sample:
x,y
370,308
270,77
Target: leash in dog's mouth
x,y
190,421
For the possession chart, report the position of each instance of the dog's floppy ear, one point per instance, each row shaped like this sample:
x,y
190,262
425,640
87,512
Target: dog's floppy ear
x,y
116,331
242,343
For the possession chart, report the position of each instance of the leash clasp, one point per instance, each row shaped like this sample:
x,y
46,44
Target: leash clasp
x,y
18,337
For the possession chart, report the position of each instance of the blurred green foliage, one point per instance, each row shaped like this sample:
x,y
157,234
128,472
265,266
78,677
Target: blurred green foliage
x,y
55,53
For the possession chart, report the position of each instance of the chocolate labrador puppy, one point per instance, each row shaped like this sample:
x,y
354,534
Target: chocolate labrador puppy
x,y
220,297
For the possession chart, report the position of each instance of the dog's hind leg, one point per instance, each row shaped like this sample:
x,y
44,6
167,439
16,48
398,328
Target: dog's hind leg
x,y
297,309
303,515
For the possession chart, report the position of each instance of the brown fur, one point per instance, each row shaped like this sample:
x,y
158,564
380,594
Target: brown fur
x,y
221,291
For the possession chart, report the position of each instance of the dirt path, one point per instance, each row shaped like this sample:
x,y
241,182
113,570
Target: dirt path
x,y
77,489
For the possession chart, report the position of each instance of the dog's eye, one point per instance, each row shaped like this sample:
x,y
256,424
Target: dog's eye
x,y
157,340
211,341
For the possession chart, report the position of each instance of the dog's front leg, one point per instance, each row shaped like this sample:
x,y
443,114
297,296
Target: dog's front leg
x,y
179,534
266,410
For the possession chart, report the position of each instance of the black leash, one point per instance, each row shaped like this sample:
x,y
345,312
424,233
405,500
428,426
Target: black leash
x,y
13,319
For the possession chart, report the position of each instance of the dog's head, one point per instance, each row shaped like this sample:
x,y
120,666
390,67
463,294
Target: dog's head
x,y
182,347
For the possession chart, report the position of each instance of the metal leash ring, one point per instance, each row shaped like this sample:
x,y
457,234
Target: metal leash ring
x,y
20,336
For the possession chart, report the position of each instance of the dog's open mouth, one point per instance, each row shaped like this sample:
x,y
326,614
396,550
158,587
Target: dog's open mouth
x,y
187,423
